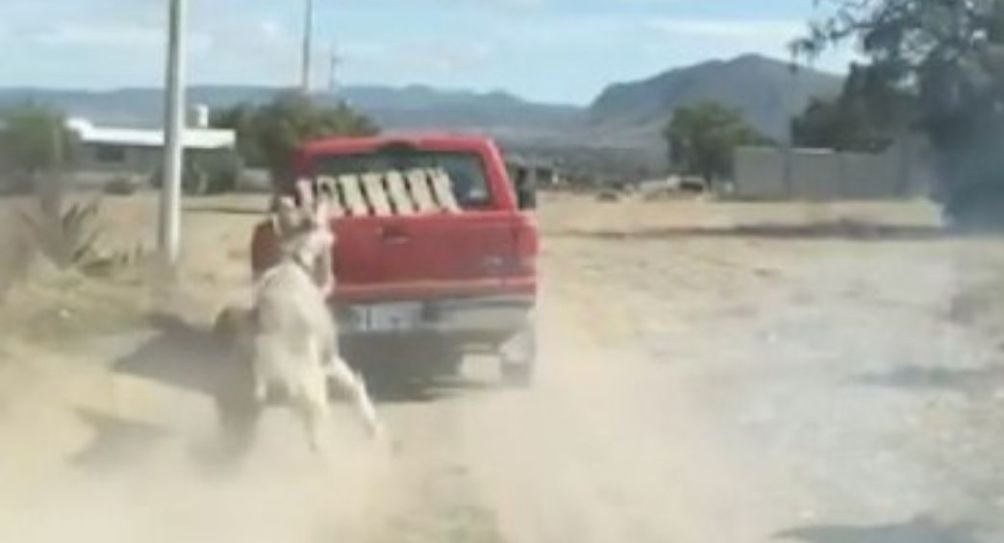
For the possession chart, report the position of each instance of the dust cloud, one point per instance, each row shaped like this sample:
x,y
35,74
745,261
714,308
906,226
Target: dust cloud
x,y
835,375
85,475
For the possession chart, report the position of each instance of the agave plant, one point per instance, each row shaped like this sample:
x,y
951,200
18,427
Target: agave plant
x,y
67,236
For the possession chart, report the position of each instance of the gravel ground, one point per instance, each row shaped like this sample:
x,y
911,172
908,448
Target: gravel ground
x,y
710,372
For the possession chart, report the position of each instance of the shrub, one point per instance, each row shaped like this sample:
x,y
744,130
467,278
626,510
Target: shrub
x,y
67,236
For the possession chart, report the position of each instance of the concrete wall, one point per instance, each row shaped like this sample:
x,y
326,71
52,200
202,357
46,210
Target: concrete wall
x,y
815,174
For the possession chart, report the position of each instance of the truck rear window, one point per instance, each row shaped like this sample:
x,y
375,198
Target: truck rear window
x,y
466,170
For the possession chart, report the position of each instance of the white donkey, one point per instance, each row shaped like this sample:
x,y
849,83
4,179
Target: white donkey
x,y
289,335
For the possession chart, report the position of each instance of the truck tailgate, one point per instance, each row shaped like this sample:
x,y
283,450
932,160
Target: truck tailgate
x,y
430,256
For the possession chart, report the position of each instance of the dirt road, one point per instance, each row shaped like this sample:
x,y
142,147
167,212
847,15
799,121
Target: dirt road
x,y
710,372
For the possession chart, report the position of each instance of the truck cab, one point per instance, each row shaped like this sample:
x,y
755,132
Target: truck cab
x,y
436,252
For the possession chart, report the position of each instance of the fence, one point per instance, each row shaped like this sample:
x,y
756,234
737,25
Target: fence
x,y
815,174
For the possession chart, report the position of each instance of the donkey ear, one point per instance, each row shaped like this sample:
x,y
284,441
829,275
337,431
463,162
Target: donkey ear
x,y
305,190
284,215
321,213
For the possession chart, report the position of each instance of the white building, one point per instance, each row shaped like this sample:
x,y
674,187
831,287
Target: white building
x,y
134,155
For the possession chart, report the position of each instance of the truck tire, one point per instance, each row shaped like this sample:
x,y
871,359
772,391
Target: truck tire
x,y
519,358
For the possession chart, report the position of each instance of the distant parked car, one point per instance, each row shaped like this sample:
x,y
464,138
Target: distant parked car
x,y
693,184
608,195
122,186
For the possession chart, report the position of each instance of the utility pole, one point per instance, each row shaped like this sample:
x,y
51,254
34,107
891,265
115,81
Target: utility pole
x,y
169,231
308,43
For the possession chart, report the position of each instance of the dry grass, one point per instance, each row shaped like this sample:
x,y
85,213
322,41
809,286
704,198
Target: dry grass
x,y
980,304
54,306
15,254
562,213
41,304
61,307
700,302
57,308
48,307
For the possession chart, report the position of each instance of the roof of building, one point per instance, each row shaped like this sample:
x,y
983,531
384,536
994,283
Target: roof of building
x,y
194,138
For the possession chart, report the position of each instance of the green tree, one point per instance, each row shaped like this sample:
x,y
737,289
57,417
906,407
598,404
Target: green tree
x,y
242,119
39,148
866,116
269,134
35,144
948,57
703,138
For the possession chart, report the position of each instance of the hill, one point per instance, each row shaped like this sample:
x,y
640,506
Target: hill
x,y
498,113
626,119
765,90
413,107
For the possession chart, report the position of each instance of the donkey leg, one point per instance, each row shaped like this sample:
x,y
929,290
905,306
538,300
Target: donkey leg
x,y
311,403
354,386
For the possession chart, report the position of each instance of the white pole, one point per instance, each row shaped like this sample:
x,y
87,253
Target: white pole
x,y
308,43
169,234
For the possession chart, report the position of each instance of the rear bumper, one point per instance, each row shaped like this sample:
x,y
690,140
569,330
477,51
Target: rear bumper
x,y
486,289
457,320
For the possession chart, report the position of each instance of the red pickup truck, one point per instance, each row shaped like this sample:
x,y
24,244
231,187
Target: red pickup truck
x,y
436,254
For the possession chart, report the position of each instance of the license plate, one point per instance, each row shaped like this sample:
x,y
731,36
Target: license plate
x,y
393,317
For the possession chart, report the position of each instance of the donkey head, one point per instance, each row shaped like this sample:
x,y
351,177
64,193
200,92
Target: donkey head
x,y
305,236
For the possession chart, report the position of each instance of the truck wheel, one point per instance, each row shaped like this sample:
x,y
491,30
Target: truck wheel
x,y
519,358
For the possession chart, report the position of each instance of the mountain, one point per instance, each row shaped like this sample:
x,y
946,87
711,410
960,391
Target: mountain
x,y
140,107
625,117
765,90
498,113
407,108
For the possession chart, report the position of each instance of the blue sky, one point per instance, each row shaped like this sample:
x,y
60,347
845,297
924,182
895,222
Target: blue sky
x,y
548,50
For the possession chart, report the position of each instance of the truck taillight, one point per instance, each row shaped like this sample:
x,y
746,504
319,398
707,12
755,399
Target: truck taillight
x,y
527,246
525,264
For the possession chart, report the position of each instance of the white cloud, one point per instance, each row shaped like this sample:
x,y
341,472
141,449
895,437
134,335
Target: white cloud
x,y
411,61
548,49
124,37
272,30
97,35
724,38
777,30
446,59
505,4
